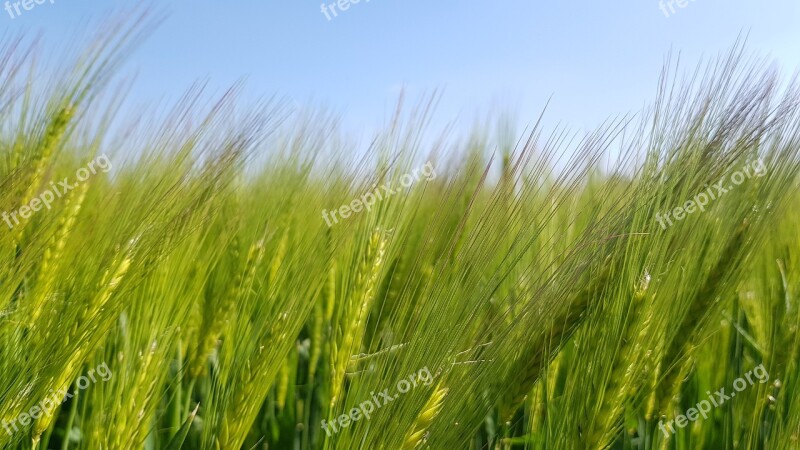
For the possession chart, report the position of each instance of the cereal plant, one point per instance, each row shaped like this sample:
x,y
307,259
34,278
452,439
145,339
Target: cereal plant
x,y
226,277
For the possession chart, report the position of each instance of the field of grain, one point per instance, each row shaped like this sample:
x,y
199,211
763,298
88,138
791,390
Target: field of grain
x,y
223,277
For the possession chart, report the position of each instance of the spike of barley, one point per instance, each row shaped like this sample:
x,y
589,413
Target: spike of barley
x,y
416,435
624,370
216,321
529,366
283,383
351,332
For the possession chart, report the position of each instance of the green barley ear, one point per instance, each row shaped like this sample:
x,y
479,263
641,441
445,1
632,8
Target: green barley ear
x,y
330,292
624,369
280,254
545,388
529,366
538,407
112,280
216,319
51,259
668,391
651,404
55,133
147,365
350,333
322,323
416,436
283,382
109,285
317,341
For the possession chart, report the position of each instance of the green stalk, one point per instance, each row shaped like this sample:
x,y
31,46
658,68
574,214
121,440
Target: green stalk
x,y
70,420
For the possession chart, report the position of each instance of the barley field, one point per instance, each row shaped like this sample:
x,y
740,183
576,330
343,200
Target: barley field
x,y
228,275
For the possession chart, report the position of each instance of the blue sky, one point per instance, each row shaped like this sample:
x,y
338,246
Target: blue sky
x,y
596,59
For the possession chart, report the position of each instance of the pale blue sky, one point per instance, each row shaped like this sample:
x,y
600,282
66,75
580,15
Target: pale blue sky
x,y
596,59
